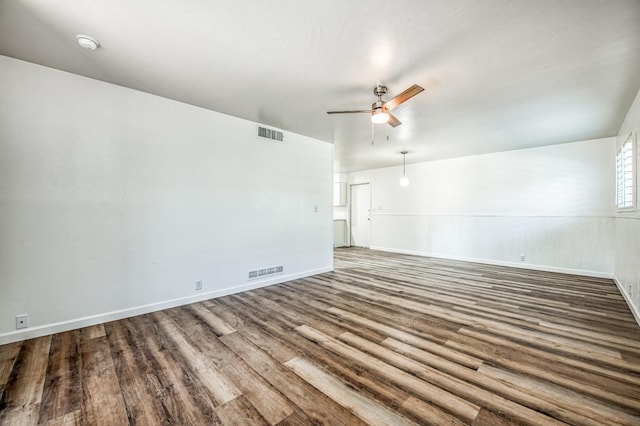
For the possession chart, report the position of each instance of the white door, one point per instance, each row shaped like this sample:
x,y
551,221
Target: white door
x,y
360,215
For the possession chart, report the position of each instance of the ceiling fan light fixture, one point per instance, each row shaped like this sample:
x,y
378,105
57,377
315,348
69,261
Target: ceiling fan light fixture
x,y
380,109
379,116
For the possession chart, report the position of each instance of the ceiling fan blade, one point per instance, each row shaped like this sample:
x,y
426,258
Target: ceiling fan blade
x,y
350,112
404,96
393,121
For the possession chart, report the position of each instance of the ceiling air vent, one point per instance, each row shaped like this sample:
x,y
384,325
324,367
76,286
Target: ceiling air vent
x,y
271,134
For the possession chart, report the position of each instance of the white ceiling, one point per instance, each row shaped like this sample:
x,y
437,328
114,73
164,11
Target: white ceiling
x,y
498,74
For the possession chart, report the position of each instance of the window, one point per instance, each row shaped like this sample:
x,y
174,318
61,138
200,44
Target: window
x,y
624,175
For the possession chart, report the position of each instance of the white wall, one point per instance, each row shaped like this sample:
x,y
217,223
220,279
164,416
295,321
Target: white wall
x,y
554,205
627,265
114,202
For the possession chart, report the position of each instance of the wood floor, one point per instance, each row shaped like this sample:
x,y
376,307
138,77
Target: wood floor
x,y
385,339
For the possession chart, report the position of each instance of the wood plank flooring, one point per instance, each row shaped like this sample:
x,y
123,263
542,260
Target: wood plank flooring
x,y
386,339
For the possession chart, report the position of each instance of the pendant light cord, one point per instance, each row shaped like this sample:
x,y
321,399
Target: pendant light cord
x,y
404,163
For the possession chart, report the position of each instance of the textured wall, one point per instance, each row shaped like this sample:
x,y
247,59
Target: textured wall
x,y
115,201
554,205
627,267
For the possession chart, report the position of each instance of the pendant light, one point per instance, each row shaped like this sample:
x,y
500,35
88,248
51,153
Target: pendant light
x,y
404,180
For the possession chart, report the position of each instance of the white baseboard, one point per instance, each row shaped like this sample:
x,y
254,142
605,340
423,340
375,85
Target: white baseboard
x,y
522,265
43,330
632,307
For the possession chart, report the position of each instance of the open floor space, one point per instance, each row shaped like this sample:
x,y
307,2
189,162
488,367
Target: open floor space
x,y
385,339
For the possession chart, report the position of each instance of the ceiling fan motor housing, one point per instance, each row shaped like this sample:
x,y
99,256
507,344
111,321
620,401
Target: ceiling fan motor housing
x,y
379,91
378,105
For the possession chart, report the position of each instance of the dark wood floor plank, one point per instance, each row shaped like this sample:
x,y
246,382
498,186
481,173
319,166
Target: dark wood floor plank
x,y
490,418
180,388
526,396
8,355
449,401
296,419
263,337
61,393
589,408
366,409
268,402
555,367
221,387
428,413
567,362
92,332
315,404
23,393
449,382
134,373
73,418
239,412
216,324
103,401
21,416
400,335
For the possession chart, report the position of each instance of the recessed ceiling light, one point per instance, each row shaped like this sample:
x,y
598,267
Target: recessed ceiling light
x,y
87,42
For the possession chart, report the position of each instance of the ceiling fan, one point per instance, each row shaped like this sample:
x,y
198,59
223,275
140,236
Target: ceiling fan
x,y
380,109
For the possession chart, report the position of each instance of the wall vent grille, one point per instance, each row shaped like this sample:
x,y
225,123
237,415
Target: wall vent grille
x,y
270,134
265,272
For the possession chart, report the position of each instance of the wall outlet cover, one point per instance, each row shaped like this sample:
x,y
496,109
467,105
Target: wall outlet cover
x,y
22,321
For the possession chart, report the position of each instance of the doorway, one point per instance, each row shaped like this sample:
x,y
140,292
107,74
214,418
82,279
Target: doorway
x,y
360,215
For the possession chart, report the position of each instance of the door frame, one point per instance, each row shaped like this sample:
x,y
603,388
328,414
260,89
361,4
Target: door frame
x,y
349,202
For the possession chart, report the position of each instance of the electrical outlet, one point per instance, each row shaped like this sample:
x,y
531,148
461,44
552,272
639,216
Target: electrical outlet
x,y
522,258
198,285
22,321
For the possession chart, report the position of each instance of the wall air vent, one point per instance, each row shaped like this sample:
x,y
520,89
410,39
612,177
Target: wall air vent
x,y
264,272
270,134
